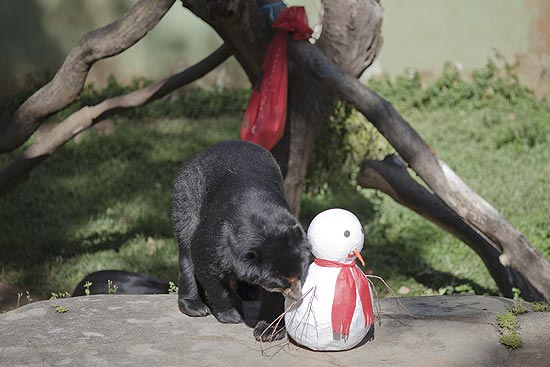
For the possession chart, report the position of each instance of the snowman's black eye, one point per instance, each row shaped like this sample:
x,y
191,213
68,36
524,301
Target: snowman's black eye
x,y
346,233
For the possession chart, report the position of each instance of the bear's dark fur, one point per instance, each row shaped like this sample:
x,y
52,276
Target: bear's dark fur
x,y
233,223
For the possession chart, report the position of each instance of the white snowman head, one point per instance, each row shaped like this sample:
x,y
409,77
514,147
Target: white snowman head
x,y
336,235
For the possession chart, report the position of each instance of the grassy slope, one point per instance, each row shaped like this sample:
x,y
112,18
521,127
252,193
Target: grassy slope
x,y
104,202
101,203
515,179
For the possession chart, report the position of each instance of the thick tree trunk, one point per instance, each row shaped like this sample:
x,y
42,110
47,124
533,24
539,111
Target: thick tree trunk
x,y
351,38
241,25
391,177
67,83
308,110
352,31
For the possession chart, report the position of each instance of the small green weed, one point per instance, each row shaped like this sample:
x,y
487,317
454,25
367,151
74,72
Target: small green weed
x,y
543,306
55,296
172,288
456,289
111,288
507,321
519,310
511,340
87,286
59,308
19,295
516,292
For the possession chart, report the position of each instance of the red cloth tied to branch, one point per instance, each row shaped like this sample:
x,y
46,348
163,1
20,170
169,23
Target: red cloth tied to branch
x,y
264,117
350,281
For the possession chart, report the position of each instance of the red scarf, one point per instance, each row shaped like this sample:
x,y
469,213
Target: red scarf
x,y
350,281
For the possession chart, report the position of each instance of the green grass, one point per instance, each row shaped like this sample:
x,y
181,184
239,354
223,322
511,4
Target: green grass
x,y
541,306
507,321
519,310
511,340
103,201
514,178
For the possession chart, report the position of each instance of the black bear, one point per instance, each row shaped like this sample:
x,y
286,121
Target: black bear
x,y
233,224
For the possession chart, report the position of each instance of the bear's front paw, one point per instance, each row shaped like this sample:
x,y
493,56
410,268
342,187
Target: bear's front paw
x,y
267,333
230,316
193,307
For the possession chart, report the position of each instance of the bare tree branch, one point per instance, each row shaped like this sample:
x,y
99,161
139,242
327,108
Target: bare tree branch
x,y
391,177
516,250
67,83
90,115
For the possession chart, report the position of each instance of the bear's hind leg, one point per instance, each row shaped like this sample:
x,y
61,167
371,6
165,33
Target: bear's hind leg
x,y
222,299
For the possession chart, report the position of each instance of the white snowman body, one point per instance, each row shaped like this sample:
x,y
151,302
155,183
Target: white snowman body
x,y
333,234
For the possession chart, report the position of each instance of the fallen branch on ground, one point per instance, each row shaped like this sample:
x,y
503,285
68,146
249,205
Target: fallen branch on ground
x,y
391,177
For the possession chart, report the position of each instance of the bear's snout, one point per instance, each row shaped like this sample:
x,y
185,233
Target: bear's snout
x,y
293,292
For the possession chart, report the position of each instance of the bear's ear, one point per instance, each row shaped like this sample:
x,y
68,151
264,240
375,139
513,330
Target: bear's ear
x,y
296,232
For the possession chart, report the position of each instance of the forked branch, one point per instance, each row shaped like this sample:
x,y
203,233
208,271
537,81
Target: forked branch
x,y
90,115
67,83
516,250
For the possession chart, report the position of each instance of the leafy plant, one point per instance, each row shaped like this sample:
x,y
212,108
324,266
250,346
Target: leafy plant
x,y
457,289
345,141
516,292
55,295
59,309
172,288
519,310
497,82
19,295
511,340
87,286
507,321
542,306
111,289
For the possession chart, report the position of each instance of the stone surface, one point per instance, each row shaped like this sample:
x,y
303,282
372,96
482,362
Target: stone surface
x,y
150,331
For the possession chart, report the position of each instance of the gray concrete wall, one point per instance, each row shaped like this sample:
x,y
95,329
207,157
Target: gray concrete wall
x,y
423,34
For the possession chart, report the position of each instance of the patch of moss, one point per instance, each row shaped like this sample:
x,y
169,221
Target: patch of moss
x,y
519,310
507,321
511,340
60,309
541,306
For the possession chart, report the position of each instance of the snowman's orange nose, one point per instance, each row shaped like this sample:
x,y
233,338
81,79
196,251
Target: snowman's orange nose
x,y
359,257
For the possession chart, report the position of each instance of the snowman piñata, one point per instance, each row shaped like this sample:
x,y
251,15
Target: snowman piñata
x,y
336,311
